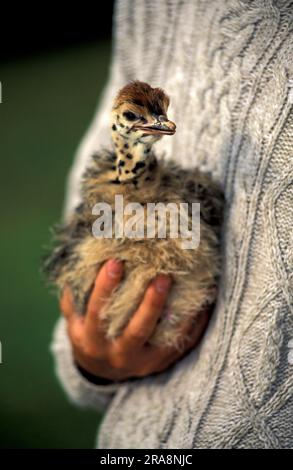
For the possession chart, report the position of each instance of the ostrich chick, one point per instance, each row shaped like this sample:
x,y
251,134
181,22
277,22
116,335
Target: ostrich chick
x,y
138,120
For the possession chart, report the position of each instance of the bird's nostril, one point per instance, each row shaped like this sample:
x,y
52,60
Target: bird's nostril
x,y
162,118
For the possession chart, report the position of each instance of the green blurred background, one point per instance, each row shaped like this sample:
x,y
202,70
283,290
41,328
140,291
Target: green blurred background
x,y
48,101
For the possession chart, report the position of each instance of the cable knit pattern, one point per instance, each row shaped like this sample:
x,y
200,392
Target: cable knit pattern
x,y
227,66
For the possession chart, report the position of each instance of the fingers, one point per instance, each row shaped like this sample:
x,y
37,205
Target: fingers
x,y
66,303
74,320
189,336
75,329
192,331
107,280
143,323
197,329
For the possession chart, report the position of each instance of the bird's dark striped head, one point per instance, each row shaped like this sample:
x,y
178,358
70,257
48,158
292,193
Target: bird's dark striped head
x,y
141,95
140,112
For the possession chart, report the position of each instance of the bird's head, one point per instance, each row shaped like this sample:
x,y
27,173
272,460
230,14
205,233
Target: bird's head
x,y
139,114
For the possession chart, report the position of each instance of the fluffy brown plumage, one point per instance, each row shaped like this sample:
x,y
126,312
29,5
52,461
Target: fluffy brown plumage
x,y
139,119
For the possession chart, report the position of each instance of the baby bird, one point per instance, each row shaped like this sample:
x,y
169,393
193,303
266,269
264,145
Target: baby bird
x,y
132,171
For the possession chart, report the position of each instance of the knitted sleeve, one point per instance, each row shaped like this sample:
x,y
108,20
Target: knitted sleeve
x,y
81,391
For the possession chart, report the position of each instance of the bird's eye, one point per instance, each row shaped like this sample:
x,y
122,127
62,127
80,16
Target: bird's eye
x,y
129,116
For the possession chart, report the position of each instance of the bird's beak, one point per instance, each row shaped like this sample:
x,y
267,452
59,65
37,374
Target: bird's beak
x,y
157,128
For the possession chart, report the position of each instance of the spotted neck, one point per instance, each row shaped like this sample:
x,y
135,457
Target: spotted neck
x,y
135,160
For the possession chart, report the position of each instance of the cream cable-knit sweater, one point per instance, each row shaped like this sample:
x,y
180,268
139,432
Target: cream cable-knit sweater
x,y
227,66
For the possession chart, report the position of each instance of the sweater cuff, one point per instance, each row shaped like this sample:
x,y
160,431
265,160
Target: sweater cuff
x,y
80,390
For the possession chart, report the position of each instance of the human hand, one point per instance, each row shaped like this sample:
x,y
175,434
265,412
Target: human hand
x,y
130,355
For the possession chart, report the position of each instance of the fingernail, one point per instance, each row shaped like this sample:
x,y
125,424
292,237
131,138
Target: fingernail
x,y
114,267
162,284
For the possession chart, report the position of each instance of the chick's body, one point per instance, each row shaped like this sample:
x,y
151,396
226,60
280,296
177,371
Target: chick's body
x,y
133,172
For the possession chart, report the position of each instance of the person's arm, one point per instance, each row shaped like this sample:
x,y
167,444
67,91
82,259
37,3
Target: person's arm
x,y
89,367
79,389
